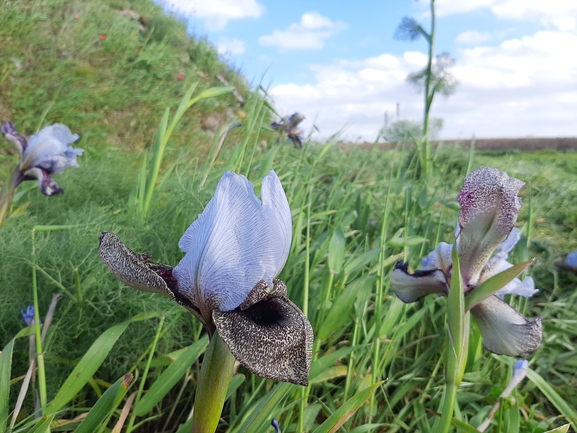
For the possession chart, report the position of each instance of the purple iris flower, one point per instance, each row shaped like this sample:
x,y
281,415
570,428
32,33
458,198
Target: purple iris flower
x,y
485,235
43,155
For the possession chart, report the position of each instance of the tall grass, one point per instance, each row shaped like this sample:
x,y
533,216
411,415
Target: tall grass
x,y
355,213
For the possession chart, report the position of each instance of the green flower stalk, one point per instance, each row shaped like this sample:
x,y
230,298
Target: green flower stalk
x,y
227,279
43,155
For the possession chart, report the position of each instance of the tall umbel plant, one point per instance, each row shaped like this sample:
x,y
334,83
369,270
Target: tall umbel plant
x,y
434,78
143,193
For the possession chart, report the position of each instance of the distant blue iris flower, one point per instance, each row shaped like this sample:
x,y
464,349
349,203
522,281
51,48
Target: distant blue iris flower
x,y
485,235
43,155
288,125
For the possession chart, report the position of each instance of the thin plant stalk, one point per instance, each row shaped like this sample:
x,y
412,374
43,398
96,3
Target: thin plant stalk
x,y
37,331
379,297
165,131
215,375
457,348
7,195
145,374
426,145
306,391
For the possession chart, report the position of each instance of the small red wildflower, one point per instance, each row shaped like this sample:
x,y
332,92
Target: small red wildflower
x,y
102,36
180,77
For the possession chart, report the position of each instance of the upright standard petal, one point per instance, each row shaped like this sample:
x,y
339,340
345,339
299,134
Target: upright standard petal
x,y
489,209
440,259
277,206
50,150
269,334
412,287
236,242
505,331
11,134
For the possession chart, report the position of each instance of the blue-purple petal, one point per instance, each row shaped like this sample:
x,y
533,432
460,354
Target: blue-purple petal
x,y
505,331
412,287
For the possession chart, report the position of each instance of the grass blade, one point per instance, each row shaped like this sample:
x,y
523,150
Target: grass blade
x,y
170,377
105,405
556,400
347,410
87,366
5,369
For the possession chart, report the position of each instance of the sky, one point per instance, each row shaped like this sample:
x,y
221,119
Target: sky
x,y
338,63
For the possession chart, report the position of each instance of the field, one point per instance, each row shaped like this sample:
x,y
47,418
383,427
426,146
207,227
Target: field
x,y
378,364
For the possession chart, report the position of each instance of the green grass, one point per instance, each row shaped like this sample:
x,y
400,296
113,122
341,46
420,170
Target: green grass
x,y
355,212
341,191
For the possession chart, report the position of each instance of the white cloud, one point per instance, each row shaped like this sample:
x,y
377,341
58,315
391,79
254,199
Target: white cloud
x,y
546,11
521,87
473,37
217,13
309,34
231,46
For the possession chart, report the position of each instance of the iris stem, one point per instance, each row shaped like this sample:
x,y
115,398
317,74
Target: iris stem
x,y
7,195
459,323
215,375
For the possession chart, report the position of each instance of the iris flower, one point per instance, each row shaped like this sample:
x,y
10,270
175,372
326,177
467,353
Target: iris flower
x,y
289,126
227,278
43,155
485,235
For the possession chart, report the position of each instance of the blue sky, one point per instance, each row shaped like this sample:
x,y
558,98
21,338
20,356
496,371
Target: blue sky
x,y
338,63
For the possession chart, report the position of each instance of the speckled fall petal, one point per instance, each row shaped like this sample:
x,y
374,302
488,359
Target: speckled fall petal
x,y
489,209
505,331
269,334
140,272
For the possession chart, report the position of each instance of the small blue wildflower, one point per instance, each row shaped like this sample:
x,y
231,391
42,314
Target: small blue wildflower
x,y
28,315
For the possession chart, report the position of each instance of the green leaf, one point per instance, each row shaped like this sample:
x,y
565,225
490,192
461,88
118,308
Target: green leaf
x,y
341,310
496,282
560,429
87,366
347,410
321,364
5,369
105,405
337,250
236,381
330,374
556,400
186,427
175,371
362,260
463,426
407,241
43,425
211,93
261,412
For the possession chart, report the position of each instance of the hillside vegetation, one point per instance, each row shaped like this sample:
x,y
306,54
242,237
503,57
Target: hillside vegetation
x,y
107,69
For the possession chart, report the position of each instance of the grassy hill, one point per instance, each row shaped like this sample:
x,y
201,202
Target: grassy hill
x,y
107,69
